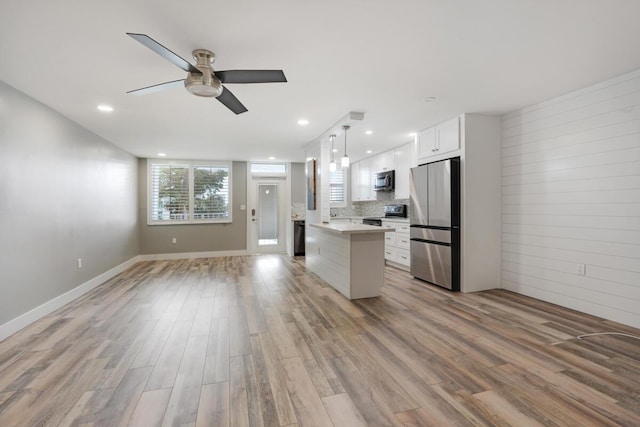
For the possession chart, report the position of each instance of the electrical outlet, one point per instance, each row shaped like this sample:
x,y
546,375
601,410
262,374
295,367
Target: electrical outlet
x,y
581,269
79,262
174,240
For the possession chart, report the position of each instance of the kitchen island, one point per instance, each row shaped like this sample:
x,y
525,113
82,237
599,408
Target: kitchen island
x,y
350,257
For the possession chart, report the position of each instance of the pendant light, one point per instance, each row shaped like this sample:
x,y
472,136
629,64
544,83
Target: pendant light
x,y
332,165
345,158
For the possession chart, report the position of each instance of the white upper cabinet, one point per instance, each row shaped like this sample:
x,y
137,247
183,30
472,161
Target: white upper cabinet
x,y
403,162
361,184
400,160
448,135
365,184
355,181
427,143
382,162
440,139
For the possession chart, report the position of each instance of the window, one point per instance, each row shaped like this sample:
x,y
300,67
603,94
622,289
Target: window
x,y
337,189
189,192
269,168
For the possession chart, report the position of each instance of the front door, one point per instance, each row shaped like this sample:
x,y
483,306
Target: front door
x,y
266,216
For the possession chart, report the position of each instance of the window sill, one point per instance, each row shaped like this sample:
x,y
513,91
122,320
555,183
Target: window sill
x,y
226,221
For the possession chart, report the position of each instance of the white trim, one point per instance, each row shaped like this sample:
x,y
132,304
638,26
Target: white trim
x,y
191,255
24,320
191,165
284,213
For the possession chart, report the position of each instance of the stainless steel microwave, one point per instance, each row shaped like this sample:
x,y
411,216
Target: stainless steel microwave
x,y
385,181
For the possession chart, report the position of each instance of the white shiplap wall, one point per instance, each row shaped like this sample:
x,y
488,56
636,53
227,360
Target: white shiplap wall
x,y
570,195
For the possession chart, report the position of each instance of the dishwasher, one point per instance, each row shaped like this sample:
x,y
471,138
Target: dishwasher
x,y
298,238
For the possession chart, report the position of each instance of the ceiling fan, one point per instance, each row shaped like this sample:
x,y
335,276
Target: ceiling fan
x,y
201,79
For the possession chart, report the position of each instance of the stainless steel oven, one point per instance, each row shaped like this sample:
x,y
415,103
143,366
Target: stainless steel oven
x,y
372,221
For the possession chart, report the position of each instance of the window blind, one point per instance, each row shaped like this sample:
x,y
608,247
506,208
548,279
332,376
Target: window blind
x,y
337,187
211,192
169,192
189,192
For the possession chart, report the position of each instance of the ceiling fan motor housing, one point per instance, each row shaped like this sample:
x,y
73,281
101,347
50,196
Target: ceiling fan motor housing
x,y
205,83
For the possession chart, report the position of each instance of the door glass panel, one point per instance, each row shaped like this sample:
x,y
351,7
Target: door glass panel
x,y
267,214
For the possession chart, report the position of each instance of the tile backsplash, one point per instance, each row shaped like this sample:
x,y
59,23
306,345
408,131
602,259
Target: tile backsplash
x,y
298,210
364,209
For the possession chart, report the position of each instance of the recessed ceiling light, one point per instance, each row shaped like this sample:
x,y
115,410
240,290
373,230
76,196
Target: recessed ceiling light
x,y
162,154
272,158
335,150
430,99
303,122
369,151
369,132
105,108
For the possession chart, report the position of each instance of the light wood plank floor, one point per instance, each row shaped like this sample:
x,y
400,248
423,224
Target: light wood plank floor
x,y
259,341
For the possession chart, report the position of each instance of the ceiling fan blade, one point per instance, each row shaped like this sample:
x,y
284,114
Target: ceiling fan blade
x,y
164,52
231,102
251,76
157,88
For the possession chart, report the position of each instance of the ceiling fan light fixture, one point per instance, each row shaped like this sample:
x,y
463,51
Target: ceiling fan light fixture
x,y
199,87
201,79
205,83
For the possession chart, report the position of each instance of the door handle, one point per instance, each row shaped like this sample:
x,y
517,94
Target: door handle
x,y
253,212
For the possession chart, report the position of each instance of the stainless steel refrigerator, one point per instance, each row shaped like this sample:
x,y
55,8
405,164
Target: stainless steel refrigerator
x,y
435,223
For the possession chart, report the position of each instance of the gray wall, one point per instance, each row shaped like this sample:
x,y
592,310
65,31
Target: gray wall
x,y
156,239
298,183
65,193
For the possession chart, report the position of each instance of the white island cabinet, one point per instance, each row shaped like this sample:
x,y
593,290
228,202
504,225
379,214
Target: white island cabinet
x,y
350,257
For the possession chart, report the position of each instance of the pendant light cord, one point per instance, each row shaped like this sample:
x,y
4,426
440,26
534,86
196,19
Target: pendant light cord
x,y
332,138
346,128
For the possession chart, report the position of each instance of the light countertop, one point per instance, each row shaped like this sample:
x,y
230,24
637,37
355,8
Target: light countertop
x,y
348,228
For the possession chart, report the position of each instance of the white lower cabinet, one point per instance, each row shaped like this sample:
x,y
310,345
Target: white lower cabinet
x,y
396,244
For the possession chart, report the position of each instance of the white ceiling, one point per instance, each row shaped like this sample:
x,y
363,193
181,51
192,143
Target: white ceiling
x,y
380,57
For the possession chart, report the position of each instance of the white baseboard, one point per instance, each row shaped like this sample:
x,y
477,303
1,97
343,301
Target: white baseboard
x,y
190,255
14,325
